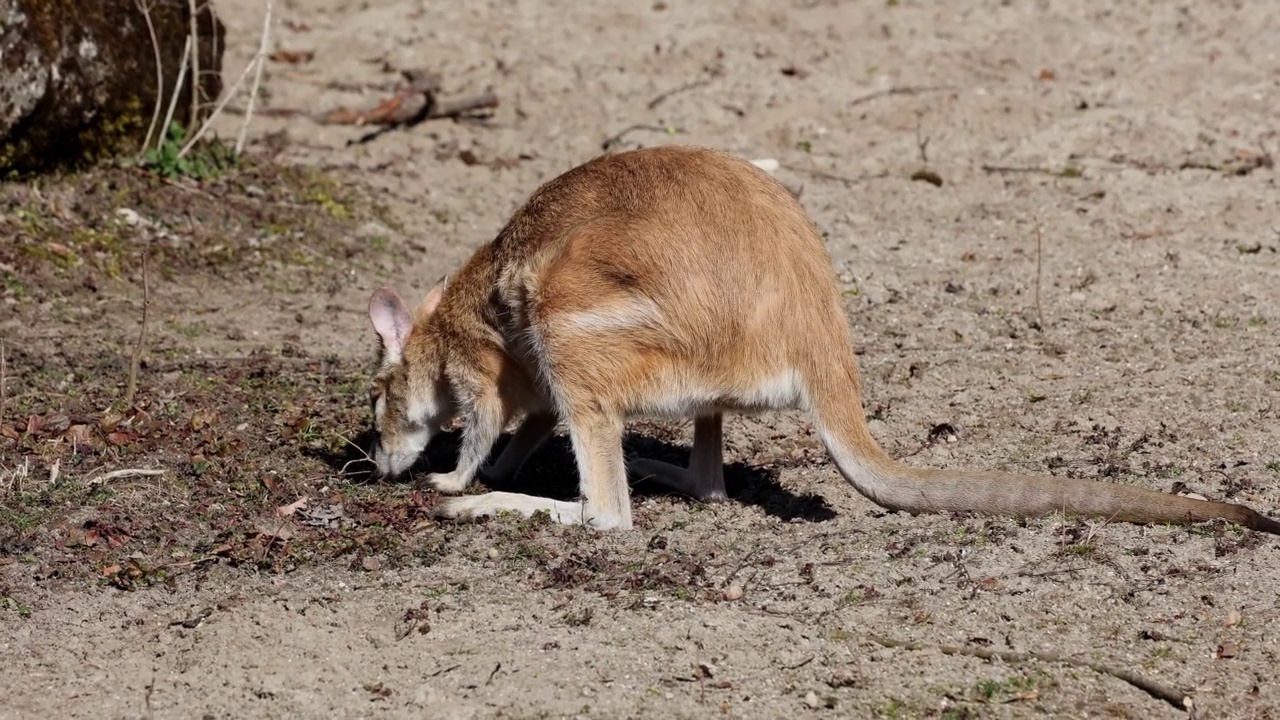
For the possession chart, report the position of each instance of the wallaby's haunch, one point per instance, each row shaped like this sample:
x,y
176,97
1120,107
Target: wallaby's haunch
x,y
671,282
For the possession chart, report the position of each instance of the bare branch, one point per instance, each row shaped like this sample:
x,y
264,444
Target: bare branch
x,y
1173,696
155,45
132,387
177,90
195,63
261,61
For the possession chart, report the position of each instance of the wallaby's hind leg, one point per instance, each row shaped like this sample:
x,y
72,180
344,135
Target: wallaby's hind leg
x,y
704,478
533,431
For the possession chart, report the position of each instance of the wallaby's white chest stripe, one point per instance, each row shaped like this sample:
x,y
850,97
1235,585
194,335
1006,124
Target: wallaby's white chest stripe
x,y
628,314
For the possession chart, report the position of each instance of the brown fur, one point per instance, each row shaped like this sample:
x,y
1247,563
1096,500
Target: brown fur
x,y
671,281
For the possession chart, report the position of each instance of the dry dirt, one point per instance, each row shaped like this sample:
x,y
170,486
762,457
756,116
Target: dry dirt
x,y
1135,341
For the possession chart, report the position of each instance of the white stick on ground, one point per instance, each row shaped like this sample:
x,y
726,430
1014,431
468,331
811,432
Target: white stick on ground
x,y
124,473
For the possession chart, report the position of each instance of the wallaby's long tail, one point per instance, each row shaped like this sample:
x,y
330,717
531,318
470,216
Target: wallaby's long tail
x,y
896,486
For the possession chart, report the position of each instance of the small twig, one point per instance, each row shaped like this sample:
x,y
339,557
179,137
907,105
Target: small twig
x,y
4,394
1039,314
616,138
364,457
462,106
194,621
746,560
442,671
410,105
234,360
1015,169
910,90
177,90
663,97
155,46
800,664
1157,690
127,472
275,535
261,62
922,143
495,670
217,110
823,175
195,62
190,563
132,387
213,41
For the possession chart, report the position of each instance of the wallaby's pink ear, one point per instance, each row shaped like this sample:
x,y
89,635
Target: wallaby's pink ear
x,y
432,300
391,319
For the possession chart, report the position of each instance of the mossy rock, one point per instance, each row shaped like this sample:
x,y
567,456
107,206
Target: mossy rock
x,y
78,78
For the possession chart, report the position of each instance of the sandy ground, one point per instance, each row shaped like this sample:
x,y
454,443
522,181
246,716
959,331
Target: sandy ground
x,y
1135,342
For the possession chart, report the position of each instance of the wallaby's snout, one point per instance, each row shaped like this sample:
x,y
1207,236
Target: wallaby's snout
x,y
394,455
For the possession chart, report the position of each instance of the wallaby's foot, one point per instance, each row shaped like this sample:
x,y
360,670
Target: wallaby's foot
x,y
564,512
678,479
450,483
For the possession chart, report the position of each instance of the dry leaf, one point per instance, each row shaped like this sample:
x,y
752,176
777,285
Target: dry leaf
x,y
121,438
1228,649
293,507
292,57
275,530
202,419
80,435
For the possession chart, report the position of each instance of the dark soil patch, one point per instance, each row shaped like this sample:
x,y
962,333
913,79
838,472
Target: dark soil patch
x,y
208,448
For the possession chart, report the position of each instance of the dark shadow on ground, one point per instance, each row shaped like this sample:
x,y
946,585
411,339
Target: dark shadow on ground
x,y
552,472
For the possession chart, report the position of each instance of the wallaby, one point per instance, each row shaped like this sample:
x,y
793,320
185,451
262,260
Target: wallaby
x,y
676,282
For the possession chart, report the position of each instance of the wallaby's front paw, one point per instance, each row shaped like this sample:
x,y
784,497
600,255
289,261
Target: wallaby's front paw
x,y
468,507
448,483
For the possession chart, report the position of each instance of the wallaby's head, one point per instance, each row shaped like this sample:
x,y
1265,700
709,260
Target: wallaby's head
x,y
410,396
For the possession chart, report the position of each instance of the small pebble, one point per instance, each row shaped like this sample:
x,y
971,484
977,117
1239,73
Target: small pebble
x,y
493,553
733,592
811,699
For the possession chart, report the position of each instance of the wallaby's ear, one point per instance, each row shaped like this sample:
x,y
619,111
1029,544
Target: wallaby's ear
x,y
391,319
432,300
